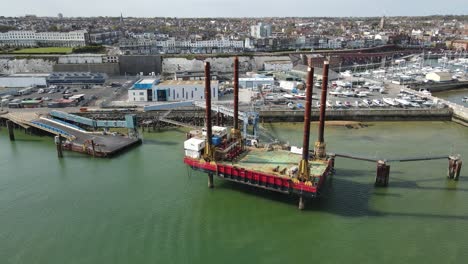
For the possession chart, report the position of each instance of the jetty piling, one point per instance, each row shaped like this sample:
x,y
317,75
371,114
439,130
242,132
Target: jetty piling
x,y
11,132
59,144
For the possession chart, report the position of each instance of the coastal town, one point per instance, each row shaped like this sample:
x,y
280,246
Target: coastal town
x,y
111,126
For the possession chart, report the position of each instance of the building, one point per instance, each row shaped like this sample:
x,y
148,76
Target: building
x,y
193,75
142,90
24,80
260,30
278,65
382,23
76,38
256,81
460,44
439,76
175,90
104,38
64,78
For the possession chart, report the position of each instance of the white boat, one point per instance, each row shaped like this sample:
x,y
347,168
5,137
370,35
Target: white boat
x,y
375,88
339,104
288,96
329,103
377,102
367,102
465,99
403,102
425,92
335,93
347,73
390,101
413,104
428,103
362,94
348,93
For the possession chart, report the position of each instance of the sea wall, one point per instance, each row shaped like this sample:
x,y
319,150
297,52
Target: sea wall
x,y
433,114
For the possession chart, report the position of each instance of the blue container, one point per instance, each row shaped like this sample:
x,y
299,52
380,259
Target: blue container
x,y
215,140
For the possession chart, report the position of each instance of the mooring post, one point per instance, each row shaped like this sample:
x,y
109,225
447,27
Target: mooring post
x,y
301,203
58,143
11,131
383,174
210,180
454,169
331,161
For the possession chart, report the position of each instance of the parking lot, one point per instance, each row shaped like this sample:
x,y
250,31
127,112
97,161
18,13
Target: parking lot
x,y
93,95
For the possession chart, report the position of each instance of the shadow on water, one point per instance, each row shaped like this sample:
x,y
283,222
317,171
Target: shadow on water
x,y
28,140
347,198
158,142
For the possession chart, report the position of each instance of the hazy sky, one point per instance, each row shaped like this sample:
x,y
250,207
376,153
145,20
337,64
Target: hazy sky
x,y
230,8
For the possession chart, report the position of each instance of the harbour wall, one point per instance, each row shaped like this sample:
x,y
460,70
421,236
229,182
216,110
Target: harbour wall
x,y
197,115
440,87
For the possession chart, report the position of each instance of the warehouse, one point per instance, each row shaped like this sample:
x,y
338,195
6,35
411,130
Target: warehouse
x,y
174,90
20,80
61,78
439,76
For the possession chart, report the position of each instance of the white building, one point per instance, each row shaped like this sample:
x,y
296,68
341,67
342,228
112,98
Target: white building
x,y
439,76
175,90
21,80
142,90
260,30
50,39
254,82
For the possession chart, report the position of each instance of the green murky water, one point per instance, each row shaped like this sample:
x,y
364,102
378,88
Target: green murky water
x,y
144,206
454,96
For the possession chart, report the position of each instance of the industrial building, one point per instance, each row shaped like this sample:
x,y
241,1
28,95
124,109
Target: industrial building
x,y
439,76
174,90
256,81
63,78
19,80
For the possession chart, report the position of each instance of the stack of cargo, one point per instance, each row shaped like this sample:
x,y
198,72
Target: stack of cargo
x,y
193,147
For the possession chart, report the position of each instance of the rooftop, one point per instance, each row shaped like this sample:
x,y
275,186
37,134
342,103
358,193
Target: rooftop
x,y
183,82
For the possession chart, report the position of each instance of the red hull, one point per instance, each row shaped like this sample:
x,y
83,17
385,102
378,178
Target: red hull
x,y
258,179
